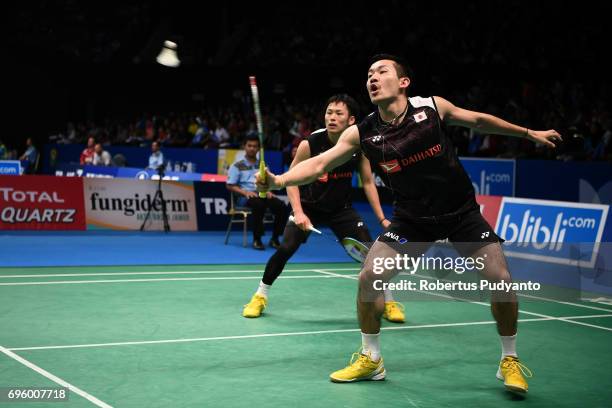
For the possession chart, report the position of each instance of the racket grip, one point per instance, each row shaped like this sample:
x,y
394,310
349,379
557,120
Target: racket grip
x,y
262,176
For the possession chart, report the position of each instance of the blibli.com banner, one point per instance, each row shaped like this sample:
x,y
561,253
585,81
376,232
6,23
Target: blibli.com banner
x,y
552,231
491,176
10,167
122,204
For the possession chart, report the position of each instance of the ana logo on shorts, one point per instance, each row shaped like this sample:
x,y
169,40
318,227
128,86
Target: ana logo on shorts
x,y
395,237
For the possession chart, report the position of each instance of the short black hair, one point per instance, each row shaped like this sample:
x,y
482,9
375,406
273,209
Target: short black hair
x,y
252,138
401,66
351,104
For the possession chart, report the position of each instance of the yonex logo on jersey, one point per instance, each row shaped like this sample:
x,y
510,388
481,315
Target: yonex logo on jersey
x,y
376,139
484,235
419,117
392,166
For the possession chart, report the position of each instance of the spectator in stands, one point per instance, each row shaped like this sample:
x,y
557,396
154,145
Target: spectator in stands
x,y
3,151
29,158
220,137
241,182
201,133
156,159
101,156
87,155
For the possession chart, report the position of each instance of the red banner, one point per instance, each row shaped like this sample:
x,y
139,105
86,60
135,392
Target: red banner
x,y
489,207
41,203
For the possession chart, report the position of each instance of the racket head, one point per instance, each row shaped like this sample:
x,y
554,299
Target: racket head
x,y
355,249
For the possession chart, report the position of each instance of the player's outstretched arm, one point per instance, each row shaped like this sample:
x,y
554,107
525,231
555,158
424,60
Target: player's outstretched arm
x,y
300,219
309,170
486,123
369,188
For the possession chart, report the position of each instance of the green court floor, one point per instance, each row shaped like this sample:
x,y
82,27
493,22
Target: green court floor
x,y
173,336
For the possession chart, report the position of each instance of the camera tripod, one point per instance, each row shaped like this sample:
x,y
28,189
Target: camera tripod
x,y
159,195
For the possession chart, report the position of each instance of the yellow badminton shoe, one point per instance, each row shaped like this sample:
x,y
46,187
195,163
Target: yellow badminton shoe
x,y
513,374
360,368
255,307
394,312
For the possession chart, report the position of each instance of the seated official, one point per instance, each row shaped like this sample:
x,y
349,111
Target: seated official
x,y
241,182
156,159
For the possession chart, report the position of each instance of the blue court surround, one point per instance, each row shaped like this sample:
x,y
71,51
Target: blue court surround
x,y
44,248
91,248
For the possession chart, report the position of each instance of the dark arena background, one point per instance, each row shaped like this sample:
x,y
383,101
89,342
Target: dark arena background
x,y
128,249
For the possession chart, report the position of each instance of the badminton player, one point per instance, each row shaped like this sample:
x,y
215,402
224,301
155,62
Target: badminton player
x,y
326,201
434,199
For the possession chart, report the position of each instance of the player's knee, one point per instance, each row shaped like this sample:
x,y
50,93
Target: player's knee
x,y
499,275
367,278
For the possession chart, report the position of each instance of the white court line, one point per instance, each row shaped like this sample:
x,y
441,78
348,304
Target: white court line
x,y
55,378
566,303
160,280
59,275
600,300
255,336
476,303
602,309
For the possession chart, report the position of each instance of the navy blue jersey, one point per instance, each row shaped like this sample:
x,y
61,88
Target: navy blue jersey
x,y
417,161
332,191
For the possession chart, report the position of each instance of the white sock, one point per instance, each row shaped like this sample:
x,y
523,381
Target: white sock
x,y
508,344
388,296
263,289
371,345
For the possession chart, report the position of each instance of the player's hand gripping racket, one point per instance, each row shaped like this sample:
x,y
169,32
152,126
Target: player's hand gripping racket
x,y
262,163
310,228
355,249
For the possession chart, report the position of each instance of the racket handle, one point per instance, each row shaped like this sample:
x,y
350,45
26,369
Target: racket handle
x,y
262,176
311,228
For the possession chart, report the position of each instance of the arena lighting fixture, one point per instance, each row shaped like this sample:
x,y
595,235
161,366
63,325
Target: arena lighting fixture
x,y
168,56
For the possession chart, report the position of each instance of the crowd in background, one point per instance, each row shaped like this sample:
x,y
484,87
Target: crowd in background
x,y
531,67
586,127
